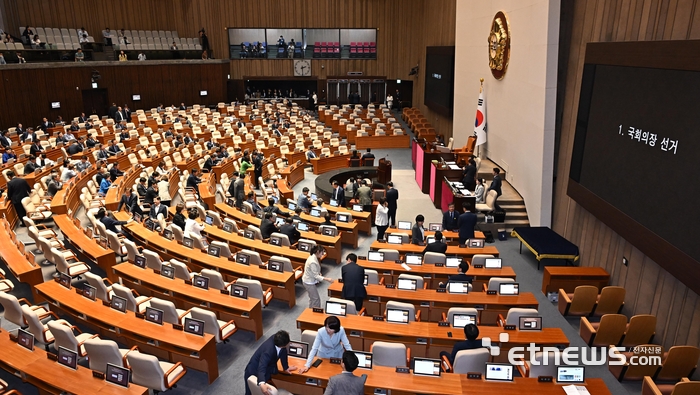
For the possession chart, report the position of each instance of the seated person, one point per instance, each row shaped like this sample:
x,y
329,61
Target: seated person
x,y
346,382
368,154
437,246
251,199
267,227
327,219
289,230
273,209
109,222
471,333
460,277
194,227
303,201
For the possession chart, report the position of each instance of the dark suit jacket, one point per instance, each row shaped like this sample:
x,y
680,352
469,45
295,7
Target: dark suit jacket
x,y
437,246
466,222
464,345
102,154
114,149
34,150
339,195
291,232
416,235
150,195
114,173
111,224
192,181
267,228
18,189
496,185
392,195
130,202
29,167
141,190
75,148
346,384
161,210
469,179
353,281
263,363
449,220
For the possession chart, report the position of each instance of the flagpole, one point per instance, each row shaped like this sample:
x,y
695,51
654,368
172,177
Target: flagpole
x,y
481,89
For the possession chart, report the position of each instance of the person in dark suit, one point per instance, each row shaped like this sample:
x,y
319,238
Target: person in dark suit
x,y
75,148
438,245
102,153
109,222
289,230
496,186
417,234
112,110
114,148
272,209
4,140
91,142
450,218
31,165
257,167
471,333
158,208
469,175
82,118
193,180
263,363
347,383
303,200
36,148
460,277
45,124
151,194
267,227
338,194
368,154
353,276
392,196
114,172
466,223
131,201
238,189
18,189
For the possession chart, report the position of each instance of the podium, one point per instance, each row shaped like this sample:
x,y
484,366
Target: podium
x,y
384,171
439,172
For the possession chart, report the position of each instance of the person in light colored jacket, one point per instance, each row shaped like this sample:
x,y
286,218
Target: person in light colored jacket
x,y
312,275
479,190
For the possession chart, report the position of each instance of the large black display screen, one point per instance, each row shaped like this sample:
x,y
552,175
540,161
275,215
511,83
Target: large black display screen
x,y
439,79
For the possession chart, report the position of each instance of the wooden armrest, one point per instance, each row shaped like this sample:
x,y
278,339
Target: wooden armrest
x,y
425,285
52,314
221,329
144,301
362,312
523,368
381,281
444,316
649,387
75,328
136,294
564,302
177,378
23,300
80,344
268,295
107,281
184,314
500,321
486,288
418,315
587,331
446,365
124,361
408,356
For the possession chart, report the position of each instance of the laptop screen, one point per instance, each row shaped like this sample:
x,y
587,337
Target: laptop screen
x,y
430,239
118,303
89,292
462,320
117,375
298,349
393,239
453,261
196,327
214,251
336,308
302,226
456,287
476,243
228,227
530,323
342,217
407,284
150,225
435,227
508,289
334,203
167,271
414,259
315,212
200,281
375,256
140,261
279,221
397,315
154,315
357,207
209,220
404,225
64,280
275,266
292,206
492,263
426,366
364,359
187,242
239,291
313,196
67,358
570,374
499,372
243,258
25,339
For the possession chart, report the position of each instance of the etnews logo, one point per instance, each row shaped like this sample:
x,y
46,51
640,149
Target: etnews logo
x,y
593,356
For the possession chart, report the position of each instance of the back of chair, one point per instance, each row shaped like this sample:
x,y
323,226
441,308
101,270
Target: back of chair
x,y
178,233
125,293
372,276
681,361
35,326
216,281
514,314
146,371
392,304
584,300
467,361
419,279
491,199
479,259
211,325
495,282
216,219
181,270
389,254
255,390
349,305
152,260
461,310
610,330
610,301
283,238
254,257
640,330
59,260
544,367
169,310
308,336
13,311
63,336
101,291
388,354
254,288
131,250
434,257
101,352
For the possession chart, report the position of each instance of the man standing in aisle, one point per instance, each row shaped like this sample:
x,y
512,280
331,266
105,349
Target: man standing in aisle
x,y
392,196
353,276
18,189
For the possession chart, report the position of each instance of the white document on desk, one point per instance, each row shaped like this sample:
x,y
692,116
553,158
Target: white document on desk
x,y
405,266
454,167
576,390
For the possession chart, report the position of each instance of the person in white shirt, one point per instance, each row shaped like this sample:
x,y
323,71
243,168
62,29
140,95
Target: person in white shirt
x,y
191,225
164,191
142,56
312,275
67,173
382,218
389,101
82,32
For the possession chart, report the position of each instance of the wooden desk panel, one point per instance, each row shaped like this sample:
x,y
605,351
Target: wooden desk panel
x,y
36,369
17,262
363,219
425,338
246,313
433,304
333,162
164,341
207,189
467,253
389,141
104,258
282,283
452,237
570,277
330,243
294,173
526,385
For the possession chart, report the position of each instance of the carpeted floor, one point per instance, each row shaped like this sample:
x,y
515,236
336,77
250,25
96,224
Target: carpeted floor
x,y
233,356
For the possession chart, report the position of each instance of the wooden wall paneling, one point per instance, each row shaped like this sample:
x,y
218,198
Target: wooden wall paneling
x,y
650,289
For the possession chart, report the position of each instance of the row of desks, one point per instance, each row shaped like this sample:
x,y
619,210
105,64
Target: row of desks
x,y
452,250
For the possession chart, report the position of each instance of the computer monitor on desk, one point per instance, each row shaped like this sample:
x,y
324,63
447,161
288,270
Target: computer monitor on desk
x,y
571,374
154,315
117,375
453,261
462,320
394,239
499,372
404,225
426,366
508,289
493,263
336,308
25,339
375,256
397,315
298,349
407,284
364,359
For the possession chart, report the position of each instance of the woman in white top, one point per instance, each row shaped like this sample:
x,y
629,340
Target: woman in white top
x,y
479,190
389,100
312,275
191,225
382,218
331,341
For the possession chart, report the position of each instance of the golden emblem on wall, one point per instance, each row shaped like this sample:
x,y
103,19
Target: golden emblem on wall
x,y
499,45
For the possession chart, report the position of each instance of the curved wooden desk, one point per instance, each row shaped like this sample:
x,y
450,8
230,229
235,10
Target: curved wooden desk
x,y
322,165
362,218
451,236
196,260
388,141
89,248
36,369
246,313
67,200
330,243
164,341
466,252
20,263
426,338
